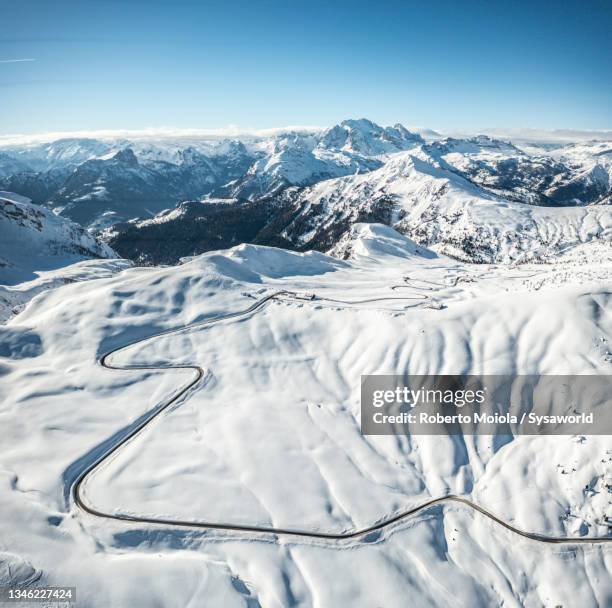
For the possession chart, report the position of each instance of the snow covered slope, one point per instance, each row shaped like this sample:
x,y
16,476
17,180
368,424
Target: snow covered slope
x,y
36,246
423,198
272,435
538,178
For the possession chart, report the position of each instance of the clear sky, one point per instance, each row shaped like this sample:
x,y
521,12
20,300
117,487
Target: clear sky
x,y
266,63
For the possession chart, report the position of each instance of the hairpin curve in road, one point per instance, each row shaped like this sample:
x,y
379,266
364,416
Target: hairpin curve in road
x,y
199,374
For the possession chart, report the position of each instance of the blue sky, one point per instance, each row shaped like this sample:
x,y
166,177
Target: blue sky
x,y
187,64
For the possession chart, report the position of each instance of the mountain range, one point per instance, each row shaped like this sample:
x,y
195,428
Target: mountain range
x,y
478,198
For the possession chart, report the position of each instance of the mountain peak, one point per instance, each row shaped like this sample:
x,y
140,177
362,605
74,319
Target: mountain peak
x,y
366,137
127,156
360,123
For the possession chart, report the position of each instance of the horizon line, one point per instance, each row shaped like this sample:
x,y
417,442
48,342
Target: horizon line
x,y
234,131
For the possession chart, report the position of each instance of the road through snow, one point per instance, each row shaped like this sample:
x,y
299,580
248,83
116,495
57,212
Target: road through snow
x,y
200,375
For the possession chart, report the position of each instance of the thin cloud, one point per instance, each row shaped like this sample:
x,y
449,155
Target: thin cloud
x,y
231,131
246,133
527,135
16,60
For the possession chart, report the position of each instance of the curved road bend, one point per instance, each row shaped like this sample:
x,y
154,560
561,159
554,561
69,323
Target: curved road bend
x,y
199,373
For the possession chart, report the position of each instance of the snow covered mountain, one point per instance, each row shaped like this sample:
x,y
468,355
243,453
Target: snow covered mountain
x,y
417,192
270,436
31,230
39,250
365,137
305,189
508,171
10,165
67,152
101,182
427,200
353,146
118,185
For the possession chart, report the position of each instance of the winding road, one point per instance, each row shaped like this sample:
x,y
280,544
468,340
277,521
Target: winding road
x,y
200,375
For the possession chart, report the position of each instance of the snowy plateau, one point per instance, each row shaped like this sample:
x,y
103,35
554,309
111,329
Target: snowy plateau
x,y
184,330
